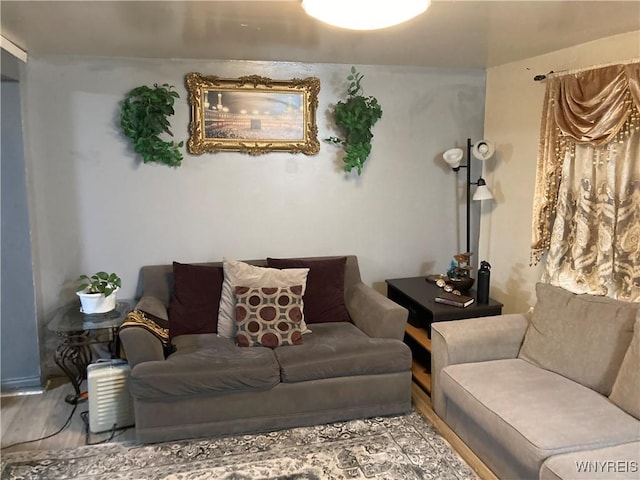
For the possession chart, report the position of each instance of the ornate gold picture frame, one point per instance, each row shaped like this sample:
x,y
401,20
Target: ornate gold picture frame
x,y
252,114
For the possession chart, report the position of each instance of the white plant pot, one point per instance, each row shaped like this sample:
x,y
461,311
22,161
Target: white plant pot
x,y
97,302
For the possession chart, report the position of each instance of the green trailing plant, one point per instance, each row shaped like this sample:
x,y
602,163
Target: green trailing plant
x,y
144,116
355,117
100,282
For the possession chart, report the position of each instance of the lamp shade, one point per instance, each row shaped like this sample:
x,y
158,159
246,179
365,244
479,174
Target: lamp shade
x,y
483,150
453,157
482,192
364,14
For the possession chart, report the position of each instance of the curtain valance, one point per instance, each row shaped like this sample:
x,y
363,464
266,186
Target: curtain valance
x,y
593,107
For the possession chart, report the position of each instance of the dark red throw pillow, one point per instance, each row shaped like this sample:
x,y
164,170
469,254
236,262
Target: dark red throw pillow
x,y
196,298
324,296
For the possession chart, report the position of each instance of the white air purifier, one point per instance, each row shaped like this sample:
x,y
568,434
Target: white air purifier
x,y
109,400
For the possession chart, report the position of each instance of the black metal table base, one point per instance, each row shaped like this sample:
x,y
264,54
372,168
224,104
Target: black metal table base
x,y
73,355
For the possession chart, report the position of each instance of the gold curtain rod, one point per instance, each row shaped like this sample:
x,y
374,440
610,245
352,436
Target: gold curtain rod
x,y
540,78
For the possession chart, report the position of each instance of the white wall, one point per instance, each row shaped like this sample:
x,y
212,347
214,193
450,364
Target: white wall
x,y
97,207
512,119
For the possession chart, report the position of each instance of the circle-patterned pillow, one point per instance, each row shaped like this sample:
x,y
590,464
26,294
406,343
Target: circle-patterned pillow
x,y
269,316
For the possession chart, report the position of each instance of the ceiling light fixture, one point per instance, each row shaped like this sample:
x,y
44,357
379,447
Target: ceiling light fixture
x,y
364,14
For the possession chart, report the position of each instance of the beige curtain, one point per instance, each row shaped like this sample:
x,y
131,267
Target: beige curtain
x,y
587,198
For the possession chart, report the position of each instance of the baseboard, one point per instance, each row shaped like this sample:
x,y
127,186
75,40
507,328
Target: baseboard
x,y
21,386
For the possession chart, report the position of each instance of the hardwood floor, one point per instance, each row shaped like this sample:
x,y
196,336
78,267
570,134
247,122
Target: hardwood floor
x,y
422,402
28,417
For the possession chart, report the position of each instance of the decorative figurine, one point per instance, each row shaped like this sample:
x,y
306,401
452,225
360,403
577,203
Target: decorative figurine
x,y
460,272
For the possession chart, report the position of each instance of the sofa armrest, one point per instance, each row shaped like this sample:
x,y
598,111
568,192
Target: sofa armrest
x,y
140,345
474,340
154,306
375,314
144,334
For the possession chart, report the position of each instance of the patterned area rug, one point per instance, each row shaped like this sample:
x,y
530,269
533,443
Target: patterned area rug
x,y
403,448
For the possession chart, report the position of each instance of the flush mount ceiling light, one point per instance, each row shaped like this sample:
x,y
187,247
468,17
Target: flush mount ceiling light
x,y
364,14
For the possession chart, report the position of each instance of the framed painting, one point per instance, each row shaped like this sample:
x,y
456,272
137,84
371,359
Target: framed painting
x,y
253,114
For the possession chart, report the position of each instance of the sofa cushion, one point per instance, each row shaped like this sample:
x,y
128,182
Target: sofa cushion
x,y
268,316
583,337
324,297
196,299
341,350
244,274
626,389
205,364
534,413
621,462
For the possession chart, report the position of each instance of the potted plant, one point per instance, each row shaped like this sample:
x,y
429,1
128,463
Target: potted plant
x,y
98,292
355,117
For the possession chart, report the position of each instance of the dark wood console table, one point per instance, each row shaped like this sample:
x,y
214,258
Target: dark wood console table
x,y
417,295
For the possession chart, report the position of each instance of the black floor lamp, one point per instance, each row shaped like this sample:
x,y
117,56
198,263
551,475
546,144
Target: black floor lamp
x,y
482,150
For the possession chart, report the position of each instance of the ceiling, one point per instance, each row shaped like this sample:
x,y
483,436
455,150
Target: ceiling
x,y
450,34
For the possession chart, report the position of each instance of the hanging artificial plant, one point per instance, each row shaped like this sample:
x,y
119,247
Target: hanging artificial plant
x,y
355,117
144,117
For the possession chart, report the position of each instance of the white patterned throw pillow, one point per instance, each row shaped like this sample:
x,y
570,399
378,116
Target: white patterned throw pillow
x,y
243,274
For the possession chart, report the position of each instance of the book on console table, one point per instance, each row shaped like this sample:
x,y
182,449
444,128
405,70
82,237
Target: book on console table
x,y
455,300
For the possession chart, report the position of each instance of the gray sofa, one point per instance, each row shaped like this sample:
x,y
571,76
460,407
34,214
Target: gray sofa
x,y
210,386
550,395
